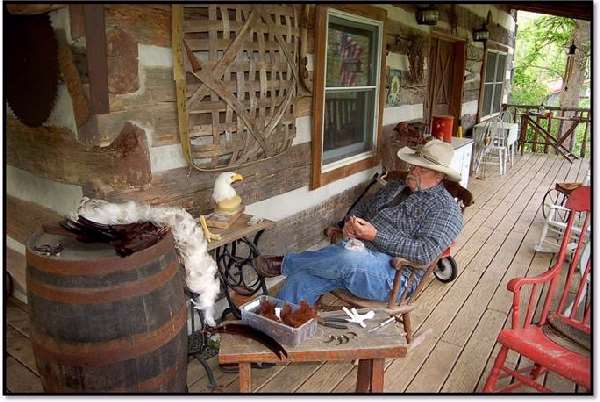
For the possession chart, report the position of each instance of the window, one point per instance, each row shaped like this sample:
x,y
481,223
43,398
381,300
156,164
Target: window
x,y
348,98
495,74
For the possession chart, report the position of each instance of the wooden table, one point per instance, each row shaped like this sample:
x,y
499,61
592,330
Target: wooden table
x,y
370,348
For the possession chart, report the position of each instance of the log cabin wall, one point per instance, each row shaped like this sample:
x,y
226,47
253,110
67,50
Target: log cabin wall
x,y
133,151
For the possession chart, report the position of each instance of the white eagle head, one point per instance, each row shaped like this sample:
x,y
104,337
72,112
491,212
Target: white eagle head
x,y
223,189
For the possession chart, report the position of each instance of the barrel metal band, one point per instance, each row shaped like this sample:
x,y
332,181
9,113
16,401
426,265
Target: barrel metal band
x,y
99,266
103,294
106,353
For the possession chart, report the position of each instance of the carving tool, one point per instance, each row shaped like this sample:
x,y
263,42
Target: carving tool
x,y
382,324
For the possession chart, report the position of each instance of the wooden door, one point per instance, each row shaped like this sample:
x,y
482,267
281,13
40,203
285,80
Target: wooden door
x,y
446,72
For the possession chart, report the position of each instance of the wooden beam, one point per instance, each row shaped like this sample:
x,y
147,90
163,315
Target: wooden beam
x,y
581,10
179,77
95,37
55,154
31,9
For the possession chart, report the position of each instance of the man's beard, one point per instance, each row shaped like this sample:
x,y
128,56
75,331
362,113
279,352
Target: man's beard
x,y
417,181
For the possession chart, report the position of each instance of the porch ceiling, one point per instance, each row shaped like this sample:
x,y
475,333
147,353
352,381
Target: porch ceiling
x,y
581,10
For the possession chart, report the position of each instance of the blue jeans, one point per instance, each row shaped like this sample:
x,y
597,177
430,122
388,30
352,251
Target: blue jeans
x,y
365,273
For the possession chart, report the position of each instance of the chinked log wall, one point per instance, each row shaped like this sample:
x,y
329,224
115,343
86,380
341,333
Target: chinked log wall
x,y
146,95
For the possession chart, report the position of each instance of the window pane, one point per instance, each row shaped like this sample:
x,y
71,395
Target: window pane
x,y
348,124
487,99
497,97
490,67
500,71
351,53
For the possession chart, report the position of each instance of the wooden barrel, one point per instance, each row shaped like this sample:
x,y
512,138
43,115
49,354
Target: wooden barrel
x,y
103,323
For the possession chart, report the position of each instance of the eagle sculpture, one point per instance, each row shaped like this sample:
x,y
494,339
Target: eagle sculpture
x,y
224,195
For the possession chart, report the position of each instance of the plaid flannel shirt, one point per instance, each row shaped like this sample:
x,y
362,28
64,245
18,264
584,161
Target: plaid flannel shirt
x,y
419,228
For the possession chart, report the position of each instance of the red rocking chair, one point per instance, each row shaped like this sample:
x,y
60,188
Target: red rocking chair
x,y
559,340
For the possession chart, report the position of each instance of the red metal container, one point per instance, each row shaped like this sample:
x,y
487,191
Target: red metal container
x,y
441,127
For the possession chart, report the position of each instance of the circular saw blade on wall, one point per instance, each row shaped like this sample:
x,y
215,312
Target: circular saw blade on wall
x,y
31,64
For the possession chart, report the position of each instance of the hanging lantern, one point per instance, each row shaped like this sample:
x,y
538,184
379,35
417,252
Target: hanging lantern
x,y
481,35
427,16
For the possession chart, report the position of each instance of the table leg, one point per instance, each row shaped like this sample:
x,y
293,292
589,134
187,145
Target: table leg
x,y
377,375
245,379
363,376
370,375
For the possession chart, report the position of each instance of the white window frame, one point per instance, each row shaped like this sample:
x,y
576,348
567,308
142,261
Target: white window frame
x,y
354,158
493,83
325,173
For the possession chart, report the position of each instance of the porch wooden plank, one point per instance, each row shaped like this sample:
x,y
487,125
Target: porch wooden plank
x,y
584,165
465,373
290,378
259,377
223,380
17,318
528,241
486,197
19,348
19,379
348,383
435,368
326,378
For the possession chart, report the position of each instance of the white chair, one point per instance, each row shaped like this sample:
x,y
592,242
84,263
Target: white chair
x,y
492,146
555,224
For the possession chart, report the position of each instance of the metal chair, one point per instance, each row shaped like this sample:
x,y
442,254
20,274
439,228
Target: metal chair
x,y
557,338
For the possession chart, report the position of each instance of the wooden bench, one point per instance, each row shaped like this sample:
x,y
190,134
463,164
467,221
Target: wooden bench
x,y
371,350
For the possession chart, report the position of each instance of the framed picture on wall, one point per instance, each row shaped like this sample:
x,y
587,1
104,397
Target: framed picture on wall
x,y
394,83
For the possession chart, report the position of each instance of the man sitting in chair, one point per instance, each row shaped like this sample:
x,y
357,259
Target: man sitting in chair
x,y
417,220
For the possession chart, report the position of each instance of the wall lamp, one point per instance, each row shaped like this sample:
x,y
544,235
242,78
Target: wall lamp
x,y
481,35
427,16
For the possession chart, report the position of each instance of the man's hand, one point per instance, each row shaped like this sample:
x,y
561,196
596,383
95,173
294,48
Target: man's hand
x,y
362,229
348,230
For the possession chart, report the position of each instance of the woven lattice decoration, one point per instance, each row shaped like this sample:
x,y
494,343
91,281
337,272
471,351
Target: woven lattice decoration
x,y
241,77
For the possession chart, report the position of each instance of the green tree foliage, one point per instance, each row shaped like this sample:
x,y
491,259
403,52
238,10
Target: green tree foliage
x,y
540,57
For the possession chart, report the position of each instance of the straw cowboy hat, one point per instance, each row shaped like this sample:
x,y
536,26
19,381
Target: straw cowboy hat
x,y
435,155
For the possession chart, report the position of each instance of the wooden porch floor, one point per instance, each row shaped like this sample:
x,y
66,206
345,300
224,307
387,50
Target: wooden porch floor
x,y
464,316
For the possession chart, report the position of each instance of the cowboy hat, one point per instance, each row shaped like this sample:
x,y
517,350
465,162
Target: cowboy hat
x,y
435,155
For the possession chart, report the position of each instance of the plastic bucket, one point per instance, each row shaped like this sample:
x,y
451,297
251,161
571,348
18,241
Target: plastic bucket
x,y
441,127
